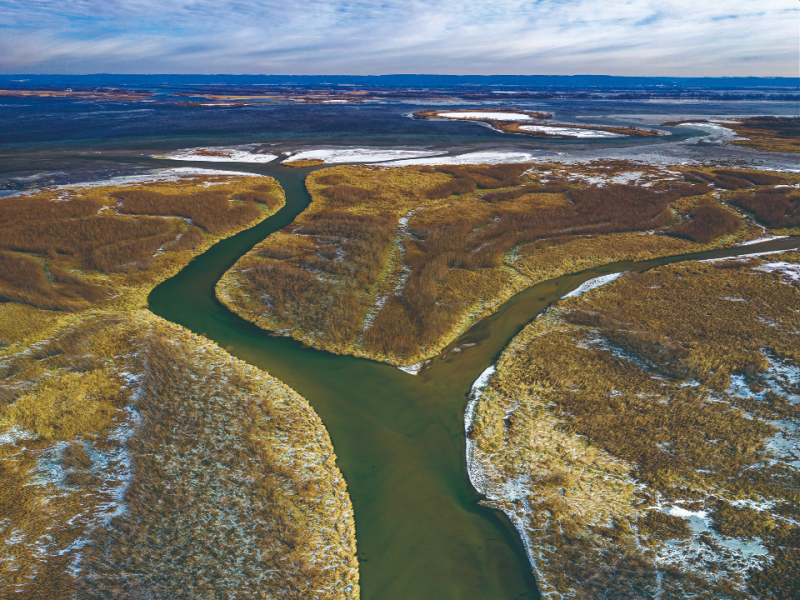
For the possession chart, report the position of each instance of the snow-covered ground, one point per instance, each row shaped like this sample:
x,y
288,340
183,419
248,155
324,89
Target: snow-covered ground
x,y
160,175
767,238
220,155
412,369
593,283
571,131
475,466
359,155
790,271
494,116
488,157
715,131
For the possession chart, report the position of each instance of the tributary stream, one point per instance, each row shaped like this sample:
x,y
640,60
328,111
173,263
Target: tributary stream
x,y
399,438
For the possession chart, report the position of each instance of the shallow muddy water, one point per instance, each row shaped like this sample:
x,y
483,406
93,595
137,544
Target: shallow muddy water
x,y
399,438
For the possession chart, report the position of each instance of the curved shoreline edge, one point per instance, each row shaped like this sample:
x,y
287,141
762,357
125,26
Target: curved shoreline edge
x,y
480,469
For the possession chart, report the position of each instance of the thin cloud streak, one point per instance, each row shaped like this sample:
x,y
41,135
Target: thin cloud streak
x,y
633,37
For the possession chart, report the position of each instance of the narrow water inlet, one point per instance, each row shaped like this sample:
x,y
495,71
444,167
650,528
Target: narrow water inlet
x,y
399,439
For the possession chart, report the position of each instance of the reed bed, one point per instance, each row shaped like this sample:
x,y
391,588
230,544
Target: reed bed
x,y
625,411
72,248
393,263
166,468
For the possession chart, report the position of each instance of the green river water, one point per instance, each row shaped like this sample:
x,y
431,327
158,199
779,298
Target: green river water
x,y
399,439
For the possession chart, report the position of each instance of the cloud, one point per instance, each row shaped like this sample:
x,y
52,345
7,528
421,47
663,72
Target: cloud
x,y
633,37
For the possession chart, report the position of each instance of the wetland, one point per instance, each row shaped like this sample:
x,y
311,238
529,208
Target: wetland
x,y
420,528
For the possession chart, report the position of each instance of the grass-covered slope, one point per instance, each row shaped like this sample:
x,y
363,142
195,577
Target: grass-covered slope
x,y
393,263
75,247
642,437
138,460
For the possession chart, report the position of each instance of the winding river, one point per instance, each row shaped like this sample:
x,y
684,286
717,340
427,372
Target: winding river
x,y
399,439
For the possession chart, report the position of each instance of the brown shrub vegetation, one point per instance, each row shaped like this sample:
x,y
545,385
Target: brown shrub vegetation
x,y
729,180
754,178
261,197
774,208
455,187
15,210
664,526
783,127
550,188
206,485
741,522
348,246
210,210
708,222
78,232
488,177
23,279
451,240
778,580
188,240
644,378
688,190
347,194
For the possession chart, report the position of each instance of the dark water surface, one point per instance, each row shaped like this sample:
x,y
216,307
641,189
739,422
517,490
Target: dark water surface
x,y
58,140
399,438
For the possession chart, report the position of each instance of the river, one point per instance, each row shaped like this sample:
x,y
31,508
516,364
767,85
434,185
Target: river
x,y
399,438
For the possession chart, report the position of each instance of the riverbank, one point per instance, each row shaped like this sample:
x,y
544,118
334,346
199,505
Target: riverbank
x,y
145,441
394,264
613,426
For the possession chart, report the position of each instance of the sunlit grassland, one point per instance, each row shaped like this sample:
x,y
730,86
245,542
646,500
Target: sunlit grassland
x,y
769,134
618,415
138,459
300,164
141,460
70,248
394,263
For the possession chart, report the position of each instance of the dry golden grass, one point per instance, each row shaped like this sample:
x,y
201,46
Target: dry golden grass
x,y
71,248
229,478
632,383
300,164
349,278
69,405
769,134
229,481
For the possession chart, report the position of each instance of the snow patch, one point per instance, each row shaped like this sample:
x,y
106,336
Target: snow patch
x,y
412,369
571,131
493,116
219,155
593,283
473,158
358,155
760,240
786,270
160,175
481,382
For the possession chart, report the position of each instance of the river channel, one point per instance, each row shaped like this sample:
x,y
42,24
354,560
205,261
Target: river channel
x,y
399,438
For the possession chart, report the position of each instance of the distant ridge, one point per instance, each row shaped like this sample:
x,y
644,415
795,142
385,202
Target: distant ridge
x,y
406,81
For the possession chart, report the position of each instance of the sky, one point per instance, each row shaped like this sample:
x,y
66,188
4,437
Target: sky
x,y
352,37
